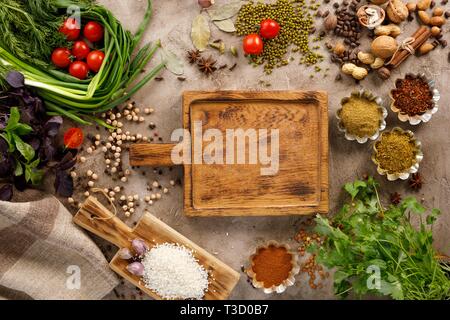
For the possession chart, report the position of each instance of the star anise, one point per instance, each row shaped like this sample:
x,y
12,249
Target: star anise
x,y
396,198
207,66
193,56
416,181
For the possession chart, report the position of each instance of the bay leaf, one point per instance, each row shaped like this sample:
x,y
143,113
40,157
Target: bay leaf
x,y
226,25
225,11
172,62
200,32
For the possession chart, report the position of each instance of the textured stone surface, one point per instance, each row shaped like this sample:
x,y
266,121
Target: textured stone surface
x,y
233,239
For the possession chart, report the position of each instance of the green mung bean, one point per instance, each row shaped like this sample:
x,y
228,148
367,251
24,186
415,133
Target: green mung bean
x,y
296,20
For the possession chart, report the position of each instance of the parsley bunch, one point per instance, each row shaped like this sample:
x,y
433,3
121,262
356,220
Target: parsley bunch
x,y
376,250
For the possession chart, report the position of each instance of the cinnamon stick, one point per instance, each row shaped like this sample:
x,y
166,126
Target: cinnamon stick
x,y
420,36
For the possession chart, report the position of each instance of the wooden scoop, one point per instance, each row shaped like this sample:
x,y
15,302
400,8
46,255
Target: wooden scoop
x,y
93,216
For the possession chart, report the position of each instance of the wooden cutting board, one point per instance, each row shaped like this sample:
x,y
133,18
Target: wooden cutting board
x,y
93,216
301,184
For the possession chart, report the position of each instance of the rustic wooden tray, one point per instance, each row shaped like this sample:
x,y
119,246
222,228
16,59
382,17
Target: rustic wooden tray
x,y
301,184
93,216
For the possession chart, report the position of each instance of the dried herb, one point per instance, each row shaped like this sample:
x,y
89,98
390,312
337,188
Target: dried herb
x,y
193,56
172,62
200,32
225,11
365,237
225,25
416,181
207,65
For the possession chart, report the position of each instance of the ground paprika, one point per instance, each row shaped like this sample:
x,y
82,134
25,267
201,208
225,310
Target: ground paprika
x,y
272,265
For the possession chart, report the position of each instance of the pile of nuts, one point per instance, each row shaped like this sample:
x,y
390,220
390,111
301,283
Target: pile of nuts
x,y
344,23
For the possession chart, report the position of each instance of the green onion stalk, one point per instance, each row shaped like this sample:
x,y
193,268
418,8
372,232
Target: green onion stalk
x,y
117,79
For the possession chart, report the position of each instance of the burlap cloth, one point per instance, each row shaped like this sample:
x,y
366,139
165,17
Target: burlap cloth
x,y
44,255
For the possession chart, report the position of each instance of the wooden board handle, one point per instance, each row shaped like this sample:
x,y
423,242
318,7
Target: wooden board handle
x,y
151,154
93,216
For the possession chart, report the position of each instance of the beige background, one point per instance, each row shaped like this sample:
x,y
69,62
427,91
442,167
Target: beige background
x,y
233,239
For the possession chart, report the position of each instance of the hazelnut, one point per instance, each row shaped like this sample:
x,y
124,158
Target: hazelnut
x,y
384,46
384,73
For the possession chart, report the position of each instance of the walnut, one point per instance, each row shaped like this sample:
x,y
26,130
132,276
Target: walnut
x,y
330,22
397,11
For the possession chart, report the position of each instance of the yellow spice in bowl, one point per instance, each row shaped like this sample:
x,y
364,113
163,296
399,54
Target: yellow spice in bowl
x,y
360,116
395,152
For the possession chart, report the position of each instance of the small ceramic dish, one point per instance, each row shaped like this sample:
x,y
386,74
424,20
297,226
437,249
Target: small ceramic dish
x,y
392,176
424,117
382,110
289,281
364,19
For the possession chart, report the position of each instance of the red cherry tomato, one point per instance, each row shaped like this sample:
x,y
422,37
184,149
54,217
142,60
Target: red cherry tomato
x,y
269,28
71,29
95,60
61,57
253,44
93,31
79,69
73,138
80,50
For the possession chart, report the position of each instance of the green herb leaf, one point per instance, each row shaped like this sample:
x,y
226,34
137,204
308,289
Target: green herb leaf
x,y
13,120
33,175
8,138
22,129
353,188
411,203
433,216
19,169
200,32
25,149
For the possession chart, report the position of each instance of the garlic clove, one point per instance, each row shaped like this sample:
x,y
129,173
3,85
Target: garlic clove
x,y
139,246
125,254
136,268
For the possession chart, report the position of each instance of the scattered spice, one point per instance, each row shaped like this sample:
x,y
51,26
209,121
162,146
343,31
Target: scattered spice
x,y
315,271
193,56
207,65
416,181
395,151
360,116
395,198
412,95
272,265
295,21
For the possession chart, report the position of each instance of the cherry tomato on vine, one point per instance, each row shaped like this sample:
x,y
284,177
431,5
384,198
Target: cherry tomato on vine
x,y
71,29
80,50
79,69
93,31
269,29
253,44
73,138
61,57
95,60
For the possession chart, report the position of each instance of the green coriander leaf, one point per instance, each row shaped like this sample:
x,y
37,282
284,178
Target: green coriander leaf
x,y
25,149
340,276
411,203
433,216
353,188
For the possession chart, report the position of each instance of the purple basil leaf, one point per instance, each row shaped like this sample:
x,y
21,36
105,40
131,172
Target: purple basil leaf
x,y
20,183
15,79
6,192
67,162
6,160
52,126
63,184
